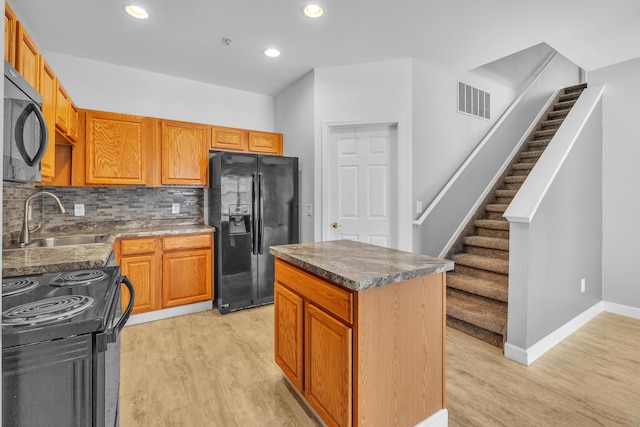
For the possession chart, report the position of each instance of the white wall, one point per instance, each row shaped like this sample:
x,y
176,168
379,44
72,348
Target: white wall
x,y
621,175
561,244
101,86
443,137
366,93
294,118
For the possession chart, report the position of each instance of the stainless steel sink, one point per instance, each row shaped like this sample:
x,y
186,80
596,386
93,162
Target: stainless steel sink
x,y
79,239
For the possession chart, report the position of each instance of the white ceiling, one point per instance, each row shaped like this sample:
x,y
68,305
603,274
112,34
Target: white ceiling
x,y
184,38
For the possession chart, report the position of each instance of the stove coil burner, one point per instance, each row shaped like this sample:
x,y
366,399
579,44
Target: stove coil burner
x,y
76,278
47,310
18,286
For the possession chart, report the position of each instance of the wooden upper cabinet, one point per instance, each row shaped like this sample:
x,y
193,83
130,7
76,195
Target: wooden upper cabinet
x,y
265,143
73,132
48,90
9,35
185,152
27,56
63,106
229,139
248,141
116,146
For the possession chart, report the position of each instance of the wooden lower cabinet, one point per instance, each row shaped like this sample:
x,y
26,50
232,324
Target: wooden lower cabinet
x,y
328,381
367,358
167,271
186,277
288,307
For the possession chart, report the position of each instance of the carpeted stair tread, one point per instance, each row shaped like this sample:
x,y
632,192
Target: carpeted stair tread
x,y
486,313
539,142
487,242
477,286
496,207
575,88
555,123
563,105
533,154
494,224
572,96
505,193
494,265
522,166
558,114
488,337
546,133
515,179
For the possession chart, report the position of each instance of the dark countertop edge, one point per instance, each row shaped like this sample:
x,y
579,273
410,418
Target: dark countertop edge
x,y
438,266
98,260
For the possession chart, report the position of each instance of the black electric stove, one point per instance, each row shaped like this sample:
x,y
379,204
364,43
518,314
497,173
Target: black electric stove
x,y
61,349
56,305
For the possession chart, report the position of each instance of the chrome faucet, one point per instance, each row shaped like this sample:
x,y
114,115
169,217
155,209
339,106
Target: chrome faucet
x,y
25,237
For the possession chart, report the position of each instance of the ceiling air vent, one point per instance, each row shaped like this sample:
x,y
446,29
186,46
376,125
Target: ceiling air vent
x,y
474,101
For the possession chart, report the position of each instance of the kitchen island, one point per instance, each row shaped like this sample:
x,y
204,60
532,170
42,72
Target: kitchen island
x,y
360,332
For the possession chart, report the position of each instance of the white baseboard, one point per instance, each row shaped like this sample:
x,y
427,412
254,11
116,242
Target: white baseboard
x,y
623,310
169,312
529,355
438,419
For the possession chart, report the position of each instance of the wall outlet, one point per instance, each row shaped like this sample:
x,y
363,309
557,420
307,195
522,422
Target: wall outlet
x,y
309,210
175,208
418,207
582,285
78,209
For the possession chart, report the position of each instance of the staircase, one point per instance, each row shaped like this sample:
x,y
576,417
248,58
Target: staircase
x,y
477,288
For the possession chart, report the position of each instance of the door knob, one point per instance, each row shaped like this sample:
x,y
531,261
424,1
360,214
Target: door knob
x,y
335,225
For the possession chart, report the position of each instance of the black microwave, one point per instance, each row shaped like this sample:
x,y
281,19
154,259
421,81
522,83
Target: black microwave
x,y
25,130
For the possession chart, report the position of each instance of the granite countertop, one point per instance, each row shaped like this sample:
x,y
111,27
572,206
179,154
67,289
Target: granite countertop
x,y
27,261
359,266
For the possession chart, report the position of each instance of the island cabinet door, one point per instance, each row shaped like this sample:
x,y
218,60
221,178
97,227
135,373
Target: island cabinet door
x,y
328,366
288,343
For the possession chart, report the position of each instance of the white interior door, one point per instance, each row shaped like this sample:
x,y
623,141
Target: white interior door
x,y
363,174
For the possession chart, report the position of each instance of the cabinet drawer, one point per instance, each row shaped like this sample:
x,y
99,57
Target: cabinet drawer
x,y
137,246
331,297
186,242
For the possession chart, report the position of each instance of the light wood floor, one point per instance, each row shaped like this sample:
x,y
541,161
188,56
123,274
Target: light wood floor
x,y
210,370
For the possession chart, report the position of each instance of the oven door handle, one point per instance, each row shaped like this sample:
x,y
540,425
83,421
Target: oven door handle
x,y
113,336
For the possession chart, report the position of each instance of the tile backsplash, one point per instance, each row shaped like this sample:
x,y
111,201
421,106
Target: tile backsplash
x,y
106,204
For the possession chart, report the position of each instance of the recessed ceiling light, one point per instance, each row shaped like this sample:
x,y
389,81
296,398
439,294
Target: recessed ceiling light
x,y
272,53
313,10
136,12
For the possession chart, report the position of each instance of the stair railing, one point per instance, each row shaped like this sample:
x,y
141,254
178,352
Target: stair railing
x,y
444,230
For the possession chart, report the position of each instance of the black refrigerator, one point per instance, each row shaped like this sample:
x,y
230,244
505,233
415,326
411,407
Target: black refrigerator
x,y
253,203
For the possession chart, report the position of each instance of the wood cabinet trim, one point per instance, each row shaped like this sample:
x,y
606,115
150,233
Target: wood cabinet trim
x,y
191,241
331,297
288,355
131,246
10,35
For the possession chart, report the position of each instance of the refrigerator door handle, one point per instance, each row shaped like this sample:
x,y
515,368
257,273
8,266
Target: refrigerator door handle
x,y
254,230
261,219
